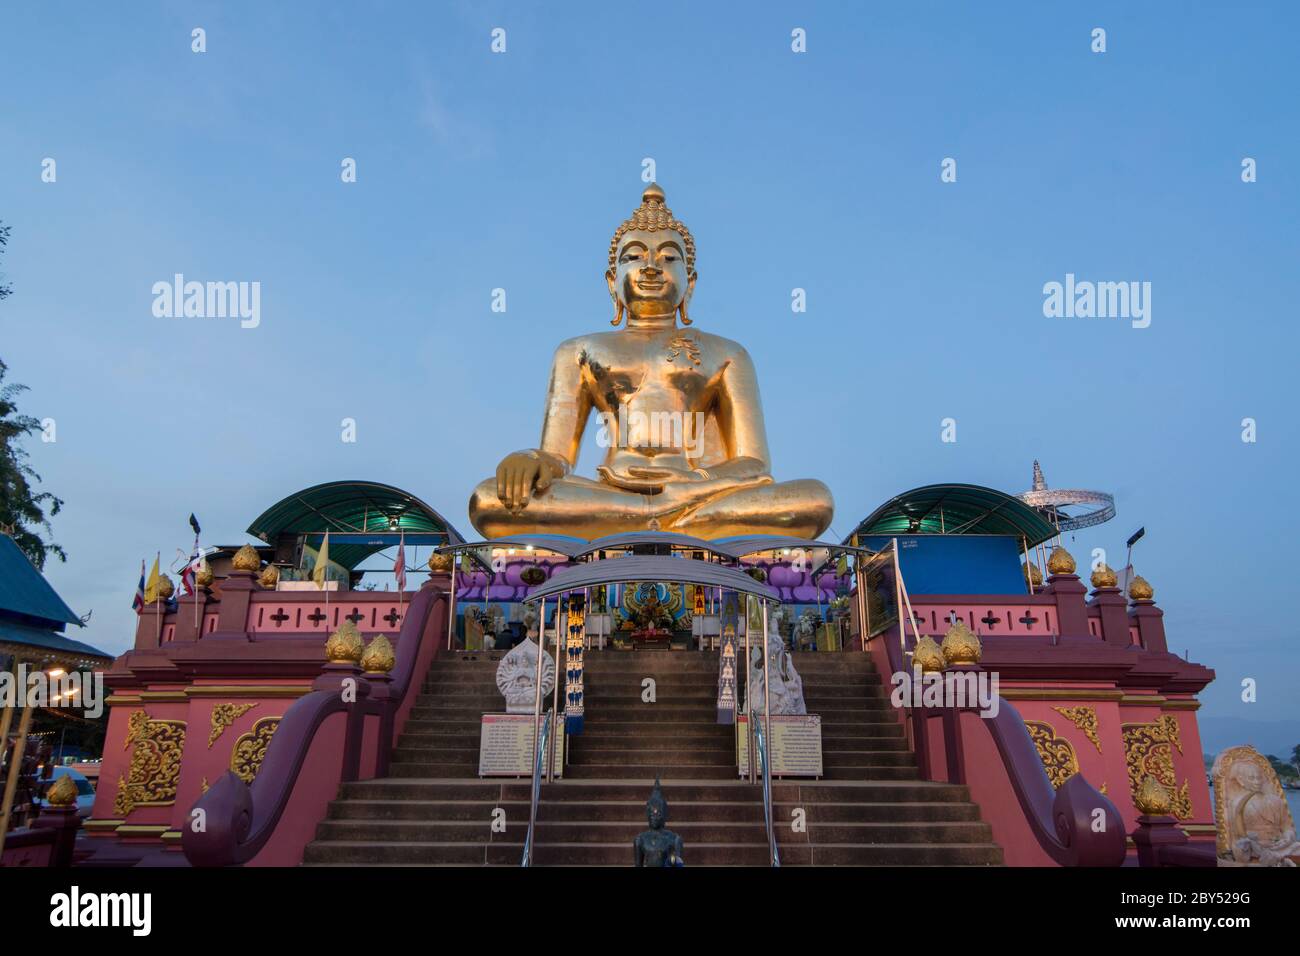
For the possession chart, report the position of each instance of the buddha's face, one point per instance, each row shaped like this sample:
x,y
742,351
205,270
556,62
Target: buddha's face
x,y
654,812
649,275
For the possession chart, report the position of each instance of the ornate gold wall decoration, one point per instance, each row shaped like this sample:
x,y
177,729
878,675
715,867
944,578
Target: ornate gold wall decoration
x,y
1085,718
155,766
1057,753
203,785
250,749
223,715
1148,750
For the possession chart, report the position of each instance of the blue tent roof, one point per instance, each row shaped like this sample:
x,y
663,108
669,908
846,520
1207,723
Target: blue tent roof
x,y
24,591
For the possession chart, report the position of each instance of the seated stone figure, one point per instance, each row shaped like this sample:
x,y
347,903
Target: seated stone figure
x,y
1253,819
680,412
517,677
785,683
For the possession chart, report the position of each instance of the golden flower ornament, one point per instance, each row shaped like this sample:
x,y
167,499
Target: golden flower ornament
x,y
1152,799
928,656
246,559
63,793
378,657
1104,577
345,645
1060,561
961,645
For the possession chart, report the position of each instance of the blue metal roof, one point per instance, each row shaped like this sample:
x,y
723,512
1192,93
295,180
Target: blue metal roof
x,y
15,633
24,590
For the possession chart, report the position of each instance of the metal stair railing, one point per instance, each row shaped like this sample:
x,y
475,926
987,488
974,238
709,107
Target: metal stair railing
x,y
543,739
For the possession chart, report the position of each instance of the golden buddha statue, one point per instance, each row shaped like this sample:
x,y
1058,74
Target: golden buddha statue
x,y
680,412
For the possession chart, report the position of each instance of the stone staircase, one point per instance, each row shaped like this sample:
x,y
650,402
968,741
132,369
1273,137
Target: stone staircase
x,y
872,808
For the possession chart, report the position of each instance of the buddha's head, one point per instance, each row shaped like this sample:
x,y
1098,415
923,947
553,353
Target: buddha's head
x,y
651,270
656,808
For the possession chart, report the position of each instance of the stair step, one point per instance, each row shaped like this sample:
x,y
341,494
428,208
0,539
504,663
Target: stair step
x,y
871,807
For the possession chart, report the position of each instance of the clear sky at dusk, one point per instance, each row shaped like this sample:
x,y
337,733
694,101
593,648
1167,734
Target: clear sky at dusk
x,y
819,171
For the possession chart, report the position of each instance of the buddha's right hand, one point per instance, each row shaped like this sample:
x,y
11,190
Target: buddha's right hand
x,y
519,473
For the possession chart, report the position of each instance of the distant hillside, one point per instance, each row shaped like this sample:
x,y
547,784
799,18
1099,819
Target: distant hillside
x,y
1276,737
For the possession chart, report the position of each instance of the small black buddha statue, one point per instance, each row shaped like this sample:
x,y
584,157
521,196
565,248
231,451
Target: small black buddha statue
x,y
657,846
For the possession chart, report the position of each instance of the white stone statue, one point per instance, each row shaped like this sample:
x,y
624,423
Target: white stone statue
x,y
784,680
517,677
1251,813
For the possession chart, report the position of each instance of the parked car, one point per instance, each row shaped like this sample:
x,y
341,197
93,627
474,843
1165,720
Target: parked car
x,y
85,792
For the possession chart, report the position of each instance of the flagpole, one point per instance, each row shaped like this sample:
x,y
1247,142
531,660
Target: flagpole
x,y
196,589
157,607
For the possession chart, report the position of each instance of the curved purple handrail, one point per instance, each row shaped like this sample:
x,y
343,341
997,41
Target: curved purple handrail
x,y
240,819
1064,821
1061,820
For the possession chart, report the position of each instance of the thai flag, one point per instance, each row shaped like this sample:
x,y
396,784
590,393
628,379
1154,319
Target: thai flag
x,y
191,569
399,566
138,603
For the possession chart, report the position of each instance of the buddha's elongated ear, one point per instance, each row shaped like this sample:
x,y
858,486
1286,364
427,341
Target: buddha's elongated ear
x,y
610,279
690,289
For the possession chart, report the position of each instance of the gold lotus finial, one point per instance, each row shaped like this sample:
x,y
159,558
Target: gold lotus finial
x,y
63,792
1104,577
345,645
379,657
165,587
246,559
270,577
1033,574
204,577
1060,561
440,563
651,216
1152,799
960,645
928,656
1139,589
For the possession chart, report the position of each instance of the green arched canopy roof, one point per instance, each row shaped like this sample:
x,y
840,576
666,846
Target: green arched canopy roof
x,y
352,508
957,509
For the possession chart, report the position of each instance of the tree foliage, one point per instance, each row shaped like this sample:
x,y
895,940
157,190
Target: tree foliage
x,y
24,512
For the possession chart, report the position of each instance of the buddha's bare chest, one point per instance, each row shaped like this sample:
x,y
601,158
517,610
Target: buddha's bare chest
x,y
673,368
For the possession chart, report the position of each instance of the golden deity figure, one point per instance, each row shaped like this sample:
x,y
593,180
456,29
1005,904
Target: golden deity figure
x,y
680,417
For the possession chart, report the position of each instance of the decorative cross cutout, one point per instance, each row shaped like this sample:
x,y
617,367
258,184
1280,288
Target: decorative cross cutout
x,y
1028,620
392,617
990,620
355,617
316,616
279,617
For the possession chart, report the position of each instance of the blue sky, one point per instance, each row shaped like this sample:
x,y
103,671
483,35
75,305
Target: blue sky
x,y
819,170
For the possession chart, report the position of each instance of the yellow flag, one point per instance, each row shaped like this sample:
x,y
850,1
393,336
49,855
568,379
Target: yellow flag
x,y
151,586
322,562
